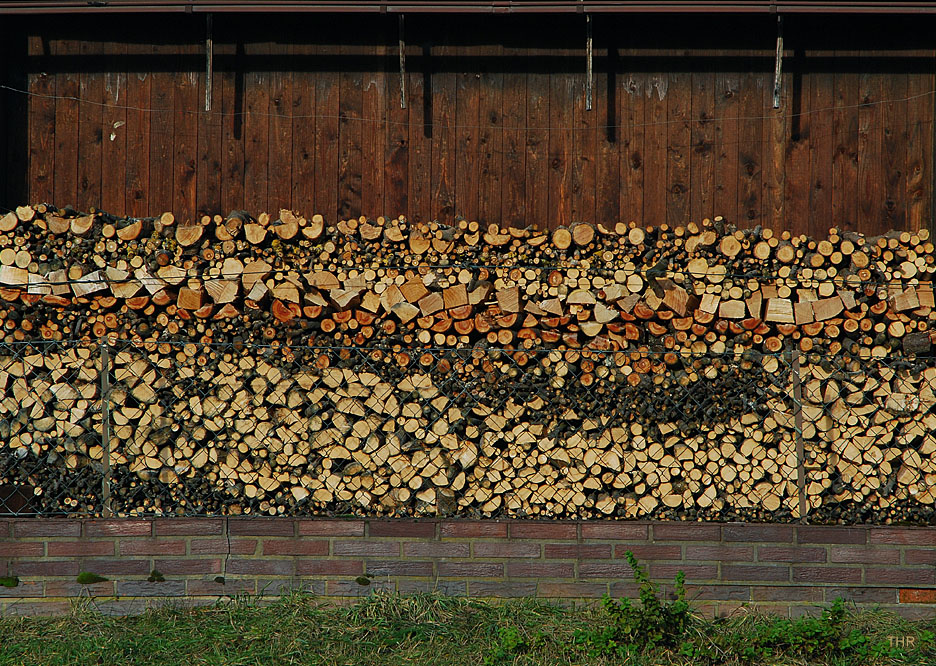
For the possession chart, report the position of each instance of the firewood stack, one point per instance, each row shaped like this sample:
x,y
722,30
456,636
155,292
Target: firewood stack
x,y
278,364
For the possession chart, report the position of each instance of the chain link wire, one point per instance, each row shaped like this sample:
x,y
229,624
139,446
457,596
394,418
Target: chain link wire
x,y
228,429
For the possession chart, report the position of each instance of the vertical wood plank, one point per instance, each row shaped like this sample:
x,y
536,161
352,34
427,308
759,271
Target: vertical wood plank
x,y
821,154
536,200
751,100
702,155
66,127
208,199
514,164
256,129
232,134
607,118
870,134
584,137
894,145
467,134
136,180
419,88
727,89
326,134
678,110
564,86
397,131
304,77
845,148
41,124
374,127
185,136
633,131
444,167
350,101
919,195
113,190
491,144
796,179
162,126
90,130
280,160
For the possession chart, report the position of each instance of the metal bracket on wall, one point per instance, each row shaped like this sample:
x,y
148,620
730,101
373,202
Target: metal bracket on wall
x,y
778,65
402,66
588,53
209,63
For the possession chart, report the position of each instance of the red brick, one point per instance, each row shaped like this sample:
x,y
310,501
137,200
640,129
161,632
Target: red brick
x,y
621,590
831,534
276,587
189,526
401,528
502,590
190,566
686,532
571,590
910,596
6,529
209,588
826,575
399,568
435,549
755,572
560,551
117,567
604,570
262,527
904,536
614,530
24,590
474,529
786,593
342,567
325,528
361,548
81,548
471,569
714,592
449,588
350,588
485,549
48,527
915,556
37,608
152,547
722,553
44,568
22,549
864,555
754,532
260,567
119,527
143,588
295,547
790,554
900,576
862,595
692,571
222,546
59,588
645,552
543,531
540,570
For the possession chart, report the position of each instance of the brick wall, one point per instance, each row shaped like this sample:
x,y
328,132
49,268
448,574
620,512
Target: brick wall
x,y
782,568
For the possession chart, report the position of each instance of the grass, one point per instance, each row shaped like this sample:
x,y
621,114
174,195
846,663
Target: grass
x,y
386,629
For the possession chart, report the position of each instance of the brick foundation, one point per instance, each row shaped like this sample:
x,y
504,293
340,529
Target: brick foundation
x,y
781,568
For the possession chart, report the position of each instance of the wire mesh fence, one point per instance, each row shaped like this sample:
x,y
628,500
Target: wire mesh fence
x,y
168,428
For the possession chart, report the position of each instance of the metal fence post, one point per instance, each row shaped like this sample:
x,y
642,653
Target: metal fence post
x,y
105,428
798,425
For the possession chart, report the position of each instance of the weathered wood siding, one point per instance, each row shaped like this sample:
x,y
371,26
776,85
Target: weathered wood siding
x,y
306,114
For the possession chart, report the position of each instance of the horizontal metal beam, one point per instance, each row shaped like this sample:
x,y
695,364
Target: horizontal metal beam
x,y
467,6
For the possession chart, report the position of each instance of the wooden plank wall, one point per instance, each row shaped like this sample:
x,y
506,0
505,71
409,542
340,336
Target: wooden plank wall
x,y
306,114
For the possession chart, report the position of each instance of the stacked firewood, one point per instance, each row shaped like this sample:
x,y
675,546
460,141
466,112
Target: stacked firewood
x,y
278,364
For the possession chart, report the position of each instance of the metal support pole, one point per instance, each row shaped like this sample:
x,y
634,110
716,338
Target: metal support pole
x,y
209,64
778,65
105,429
798,425
588,53
402,66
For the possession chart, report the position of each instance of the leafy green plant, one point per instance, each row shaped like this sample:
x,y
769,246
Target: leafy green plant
x,y
631,627
156,577
88,578
9,581
509,644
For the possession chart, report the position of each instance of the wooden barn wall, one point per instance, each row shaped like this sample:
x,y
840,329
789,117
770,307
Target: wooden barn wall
x,y
306,114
